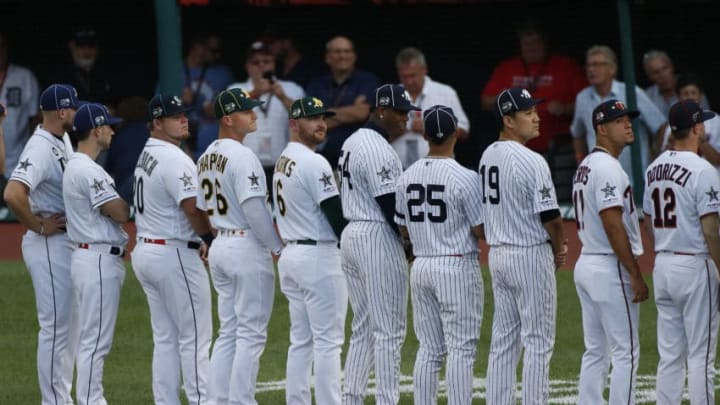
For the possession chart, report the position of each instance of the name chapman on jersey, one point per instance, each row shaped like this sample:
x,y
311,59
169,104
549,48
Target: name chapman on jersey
x,y
213,161
669,172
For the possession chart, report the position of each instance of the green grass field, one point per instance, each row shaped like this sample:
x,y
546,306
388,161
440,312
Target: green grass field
x,y
127,370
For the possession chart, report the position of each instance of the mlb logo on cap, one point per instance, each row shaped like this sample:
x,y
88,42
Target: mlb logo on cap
x,y
58,97
611,110
685,114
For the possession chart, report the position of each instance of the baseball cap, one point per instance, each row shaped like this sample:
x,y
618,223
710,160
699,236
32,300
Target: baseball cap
x,y
393,96
308,107
440,122
233,100
687,113
515,99
85,36
610,110
166,105
257,47
93,115
59,96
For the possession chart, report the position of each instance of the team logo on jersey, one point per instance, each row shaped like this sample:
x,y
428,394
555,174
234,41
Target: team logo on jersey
x,y
608,190
326,180
254,179
713,194
384,174
97,186
24,164
545,193
187,180
525,94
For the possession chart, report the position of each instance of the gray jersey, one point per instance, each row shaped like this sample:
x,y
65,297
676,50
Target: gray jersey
x,y
41,167
368,168
516,188
86,187
438,203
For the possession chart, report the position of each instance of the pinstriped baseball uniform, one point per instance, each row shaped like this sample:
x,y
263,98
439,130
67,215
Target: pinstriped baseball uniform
x,y
97,268
40,167
517,187
171,272
311,275
681,188
230,174
374,262
438,200
610,318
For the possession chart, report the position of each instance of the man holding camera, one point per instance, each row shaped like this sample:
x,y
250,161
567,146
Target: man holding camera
x,y
273,133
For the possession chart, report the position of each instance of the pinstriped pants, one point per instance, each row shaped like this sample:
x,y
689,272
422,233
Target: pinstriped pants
x,y
374,263
525,295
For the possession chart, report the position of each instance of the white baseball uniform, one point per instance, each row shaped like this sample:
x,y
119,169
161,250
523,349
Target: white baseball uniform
x,y
311,276
516,188
167,264
230,174
97,269
40,167
610,318
374,263
681,188
437,200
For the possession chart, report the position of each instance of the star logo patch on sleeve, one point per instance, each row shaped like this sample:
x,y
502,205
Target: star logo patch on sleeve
x,y
24,164
384,174
253,179
608,190
713,194
326,179
186,179
545,193
97,186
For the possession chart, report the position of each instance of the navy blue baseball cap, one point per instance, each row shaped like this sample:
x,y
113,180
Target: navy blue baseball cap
x,y
687,113
609,111
393,96
166,105
515,99
59,96
440,122
93,115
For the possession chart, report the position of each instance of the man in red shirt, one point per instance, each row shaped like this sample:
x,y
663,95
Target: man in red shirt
x,y
555,78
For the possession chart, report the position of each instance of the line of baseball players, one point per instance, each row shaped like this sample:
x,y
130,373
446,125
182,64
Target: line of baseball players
x,y
352,242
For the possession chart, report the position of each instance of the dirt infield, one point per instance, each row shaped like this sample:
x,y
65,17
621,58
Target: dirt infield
x,y
11,236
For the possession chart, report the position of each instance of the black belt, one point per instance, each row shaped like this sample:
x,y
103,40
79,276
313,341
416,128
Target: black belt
x,y
309,242
190,244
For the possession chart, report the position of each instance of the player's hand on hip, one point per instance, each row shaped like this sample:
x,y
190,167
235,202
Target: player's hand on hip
x,y
53,224
640,289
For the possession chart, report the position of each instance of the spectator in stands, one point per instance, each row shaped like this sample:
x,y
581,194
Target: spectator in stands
x,y
20,95
660,71
424,93
547,75
291,64
273,131
601,66
346,91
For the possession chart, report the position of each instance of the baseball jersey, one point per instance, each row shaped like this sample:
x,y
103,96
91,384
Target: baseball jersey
x,y
516,187
368,168
302,180
20,94
41,167
601,183
229,173
164,177
438,201
680,188
86,187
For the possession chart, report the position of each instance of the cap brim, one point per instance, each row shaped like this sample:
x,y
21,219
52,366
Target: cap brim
x,y
706,115
114,120
406,108
633,113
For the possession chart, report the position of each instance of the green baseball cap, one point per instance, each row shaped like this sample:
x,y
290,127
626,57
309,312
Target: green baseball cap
x,y
232,100
308,107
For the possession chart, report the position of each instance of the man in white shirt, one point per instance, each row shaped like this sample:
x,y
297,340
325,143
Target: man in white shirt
x,y
424,92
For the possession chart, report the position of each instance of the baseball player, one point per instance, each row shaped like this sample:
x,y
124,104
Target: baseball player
x,y
438,213
34,193
524,230
95,214
309,218
681,204
233,191
607,276
372,253
167,257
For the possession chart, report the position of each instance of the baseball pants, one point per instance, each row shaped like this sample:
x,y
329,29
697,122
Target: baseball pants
x,y
97,279
48,261
178,293
377,274
313,282
610,329
525,297
686,295
447,301
244,279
